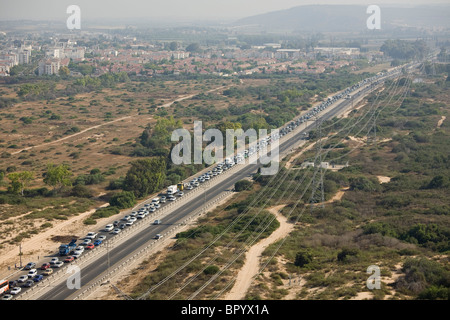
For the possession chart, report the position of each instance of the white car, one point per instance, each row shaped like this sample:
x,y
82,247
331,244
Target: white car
x,y
58,264
77,254
16,290
158,236
91,235
86,242
22,279
141,215
129,223
79,249
32,273
109,227
53,260
152,209
180,194
102,237
116,231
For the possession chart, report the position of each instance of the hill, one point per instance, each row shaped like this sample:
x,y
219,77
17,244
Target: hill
x,y
347,18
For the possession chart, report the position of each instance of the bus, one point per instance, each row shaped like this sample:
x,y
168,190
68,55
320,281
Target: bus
x,y
4,286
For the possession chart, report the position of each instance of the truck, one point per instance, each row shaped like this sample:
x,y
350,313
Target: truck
x,y
66,249
180,186
172,189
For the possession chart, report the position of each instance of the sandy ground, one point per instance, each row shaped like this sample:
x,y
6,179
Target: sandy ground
x,y
383,179
252,257
441,121
39,246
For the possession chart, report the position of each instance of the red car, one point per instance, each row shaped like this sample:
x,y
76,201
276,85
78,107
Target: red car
x,y
45,266
90,246
69,259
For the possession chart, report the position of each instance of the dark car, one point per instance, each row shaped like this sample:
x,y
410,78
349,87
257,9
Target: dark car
x,y
29,283
13,283
38,277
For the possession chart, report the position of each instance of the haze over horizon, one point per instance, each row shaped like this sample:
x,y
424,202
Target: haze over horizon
x,y
170,9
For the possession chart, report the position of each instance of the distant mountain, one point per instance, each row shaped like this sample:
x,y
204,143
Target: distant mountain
x,y
347,18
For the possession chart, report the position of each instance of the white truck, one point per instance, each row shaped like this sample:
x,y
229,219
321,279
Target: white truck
x,y
172,189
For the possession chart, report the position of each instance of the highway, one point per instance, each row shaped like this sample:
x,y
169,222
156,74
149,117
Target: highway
x,y
120,250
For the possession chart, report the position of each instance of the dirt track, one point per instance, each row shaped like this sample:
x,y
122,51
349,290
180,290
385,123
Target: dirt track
x,y
252,257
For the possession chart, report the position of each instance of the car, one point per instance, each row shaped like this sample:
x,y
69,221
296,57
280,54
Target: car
x,y
38,277
158,236
129,223
189,187
97,242
58,264
7,297
69,259
13,283
162,199
172,198
91,235
47,272
15,290
102,237
76,254
45,266
141,215
132,219
123,226
134,213
108,228
22,279
157,221
116,223
116,231
157,206
54,260
126,218
86,242
29,283
180,194
32,273
90,246
152,209
79,249
30,265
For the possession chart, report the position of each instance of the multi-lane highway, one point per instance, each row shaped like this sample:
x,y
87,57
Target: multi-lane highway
x,y
191,202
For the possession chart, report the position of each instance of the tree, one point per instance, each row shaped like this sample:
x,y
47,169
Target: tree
x,y
242,185
123,200
145,176
19,181
303,258
193,47
58,176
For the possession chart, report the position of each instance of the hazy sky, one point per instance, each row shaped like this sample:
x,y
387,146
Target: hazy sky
x,y
166,9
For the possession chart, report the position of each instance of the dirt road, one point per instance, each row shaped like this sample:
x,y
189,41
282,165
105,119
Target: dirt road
x,y
252,258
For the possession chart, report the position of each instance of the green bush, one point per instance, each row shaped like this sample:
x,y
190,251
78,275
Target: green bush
x,y
123,200
242,185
